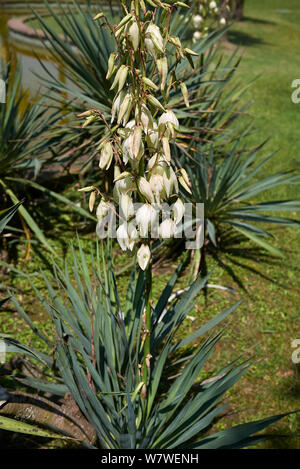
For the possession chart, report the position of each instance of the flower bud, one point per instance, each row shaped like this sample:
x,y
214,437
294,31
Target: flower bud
x,y
125,108
123,69
124,21
122,78
137,144
134,35
162,66
111,65
184,92
166,148
98,16
143,256
106,156
116,105
92,200
86,189
190,52
150,83
152,100
184,180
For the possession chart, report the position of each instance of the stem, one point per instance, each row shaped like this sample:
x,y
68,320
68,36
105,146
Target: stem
x,y
197,261
147,324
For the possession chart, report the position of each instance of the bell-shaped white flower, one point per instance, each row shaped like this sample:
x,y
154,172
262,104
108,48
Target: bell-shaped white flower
x,y
197,20
146,217
103,209
131,124
169,116
122,236
153,40
168,123
132,235
157,186
144,256
167,228
127,235
223,21
123,186
145,189
170,181
212,5
145,117
153,162
196,36
134,35
126,206
133,147
178,211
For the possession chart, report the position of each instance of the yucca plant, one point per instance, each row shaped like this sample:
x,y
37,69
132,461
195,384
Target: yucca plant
x,y
97,351
22,125
7,423
231,189
113,355
24,149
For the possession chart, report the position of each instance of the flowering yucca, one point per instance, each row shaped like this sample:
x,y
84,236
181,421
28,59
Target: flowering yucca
x,y
208,15
139,144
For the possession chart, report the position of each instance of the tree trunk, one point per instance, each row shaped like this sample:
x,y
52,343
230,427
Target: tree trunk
x,y
236,9
38,410
239,8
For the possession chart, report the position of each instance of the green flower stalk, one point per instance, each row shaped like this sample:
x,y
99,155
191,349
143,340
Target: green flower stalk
x,y
139,145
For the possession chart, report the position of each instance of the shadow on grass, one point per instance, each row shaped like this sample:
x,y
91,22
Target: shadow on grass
x,y
256,20
243,39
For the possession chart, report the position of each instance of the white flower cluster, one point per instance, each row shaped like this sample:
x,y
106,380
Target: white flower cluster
x,y
144,127
206,14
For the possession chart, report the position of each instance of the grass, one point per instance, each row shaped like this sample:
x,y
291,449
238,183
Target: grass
x,y
269,318
269,40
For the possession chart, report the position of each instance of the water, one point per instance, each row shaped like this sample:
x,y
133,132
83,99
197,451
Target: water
x,y
25,54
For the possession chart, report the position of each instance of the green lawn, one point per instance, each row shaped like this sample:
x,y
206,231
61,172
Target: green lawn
x,y
269,318
269,40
